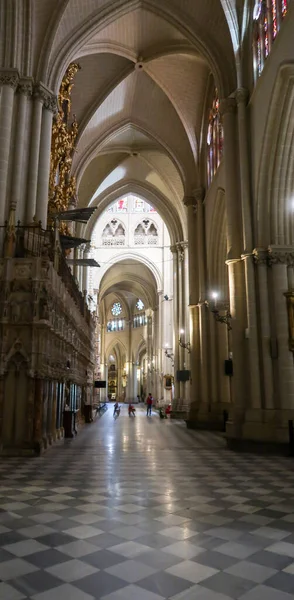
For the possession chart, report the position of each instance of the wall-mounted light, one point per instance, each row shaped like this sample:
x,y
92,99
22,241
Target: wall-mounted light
x,y
183,344
225,318
169,354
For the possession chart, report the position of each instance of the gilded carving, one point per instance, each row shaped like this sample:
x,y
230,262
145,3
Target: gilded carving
x,y
62,185
290,306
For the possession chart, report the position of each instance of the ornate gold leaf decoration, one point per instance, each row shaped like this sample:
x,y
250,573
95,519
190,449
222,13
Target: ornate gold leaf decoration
x,y
62,185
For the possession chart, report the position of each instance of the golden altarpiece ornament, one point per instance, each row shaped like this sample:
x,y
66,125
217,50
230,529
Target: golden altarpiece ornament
x,y
62,185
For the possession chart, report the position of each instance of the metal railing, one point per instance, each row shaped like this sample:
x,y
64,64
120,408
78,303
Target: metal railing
x,y
23,241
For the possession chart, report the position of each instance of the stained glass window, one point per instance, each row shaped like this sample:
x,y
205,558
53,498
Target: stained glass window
x,y
140,304
138,205
215,139
116,309
268,16
119,206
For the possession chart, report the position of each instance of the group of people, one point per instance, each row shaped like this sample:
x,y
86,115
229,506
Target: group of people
x,y
131,408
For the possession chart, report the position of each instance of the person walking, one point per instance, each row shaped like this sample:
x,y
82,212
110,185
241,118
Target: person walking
x,y
149,405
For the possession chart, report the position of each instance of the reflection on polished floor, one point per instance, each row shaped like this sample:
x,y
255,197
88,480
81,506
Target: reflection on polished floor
x,y
143,509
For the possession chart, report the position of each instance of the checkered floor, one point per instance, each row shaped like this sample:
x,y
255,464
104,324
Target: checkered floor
x,y
143,509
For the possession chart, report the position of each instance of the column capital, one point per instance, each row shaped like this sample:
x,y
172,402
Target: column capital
x,y
9,77
227,105
181,250
260,256
173,249
199,194
189,201
25,86
48,99
281,255
241,95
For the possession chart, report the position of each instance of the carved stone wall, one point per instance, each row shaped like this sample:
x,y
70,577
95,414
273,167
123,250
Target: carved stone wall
x,y
46,347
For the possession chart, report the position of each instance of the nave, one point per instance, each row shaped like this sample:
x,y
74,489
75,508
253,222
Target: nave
x,y
143,509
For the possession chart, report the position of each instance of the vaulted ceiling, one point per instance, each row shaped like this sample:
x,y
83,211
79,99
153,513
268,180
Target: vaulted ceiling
x,y
142,94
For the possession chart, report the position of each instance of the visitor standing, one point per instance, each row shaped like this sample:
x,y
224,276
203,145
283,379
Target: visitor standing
x,y
149,405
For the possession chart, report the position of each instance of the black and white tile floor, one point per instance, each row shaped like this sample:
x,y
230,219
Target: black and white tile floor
x,y
143,509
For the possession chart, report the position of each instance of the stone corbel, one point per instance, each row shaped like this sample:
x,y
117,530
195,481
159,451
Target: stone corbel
x,y
228,106
190,201
241,96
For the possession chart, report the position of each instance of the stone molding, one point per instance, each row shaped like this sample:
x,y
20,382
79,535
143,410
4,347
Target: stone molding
x,y
241,95
260,256
25,86
181,246
9,77
274,255
281,255
189,201
198,194
228,106
48,99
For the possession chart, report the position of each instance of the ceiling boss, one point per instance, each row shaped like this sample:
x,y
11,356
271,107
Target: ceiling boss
x,y
62,185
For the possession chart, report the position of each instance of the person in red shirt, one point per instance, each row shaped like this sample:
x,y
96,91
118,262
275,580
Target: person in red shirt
x,y
149,405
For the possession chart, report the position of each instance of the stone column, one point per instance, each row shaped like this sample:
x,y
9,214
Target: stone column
x,y
232,192
280,257
130,383
183,320
252,334
40,94
261,260
182,331
8,81
156,353
235,265
149,351
160,344
24,92
176,328
49,108
191,204
87,253
203,313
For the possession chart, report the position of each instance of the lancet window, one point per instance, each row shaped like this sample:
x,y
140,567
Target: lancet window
x,y
268,16
215,139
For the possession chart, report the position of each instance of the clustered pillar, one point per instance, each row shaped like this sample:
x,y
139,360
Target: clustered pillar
x,y
24,164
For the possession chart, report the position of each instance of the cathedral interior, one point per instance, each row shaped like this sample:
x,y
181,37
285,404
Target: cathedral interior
x,y
146,247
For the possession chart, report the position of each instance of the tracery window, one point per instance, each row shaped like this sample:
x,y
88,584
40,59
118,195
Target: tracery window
x,y
115,325
215,139
268,16
140,304
139,320
146,234
113,234
116,309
